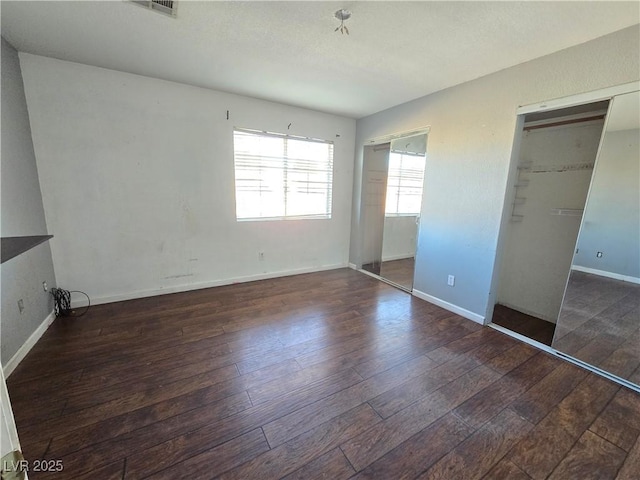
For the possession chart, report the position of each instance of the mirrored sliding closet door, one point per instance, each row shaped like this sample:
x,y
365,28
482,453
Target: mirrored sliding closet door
x,y
599,320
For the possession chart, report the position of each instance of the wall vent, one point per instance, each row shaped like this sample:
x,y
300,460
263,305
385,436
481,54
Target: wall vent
x,y
168,7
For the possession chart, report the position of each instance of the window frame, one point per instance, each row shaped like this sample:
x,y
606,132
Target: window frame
x,y
327,168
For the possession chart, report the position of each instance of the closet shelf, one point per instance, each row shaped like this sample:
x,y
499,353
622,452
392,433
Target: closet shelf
x,y
13,246
567,212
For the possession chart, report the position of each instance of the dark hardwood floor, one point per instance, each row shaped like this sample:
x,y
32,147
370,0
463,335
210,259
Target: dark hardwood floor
x,y
399,271
325,375
600,324
527,325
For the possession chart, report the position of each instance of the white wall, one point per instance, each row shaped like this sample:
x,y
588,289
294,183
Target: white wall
x,y
468,153
538,250
612,216
137,180
399,240
22,215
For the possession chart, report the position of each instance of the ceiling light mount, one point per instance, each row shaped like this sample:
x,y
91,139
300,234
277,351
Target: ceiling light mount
x,y
342,15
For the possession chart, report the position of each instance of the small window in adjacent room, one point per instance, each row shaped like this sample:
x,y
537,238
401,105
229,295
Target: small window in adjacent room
x,y
282,176
404,183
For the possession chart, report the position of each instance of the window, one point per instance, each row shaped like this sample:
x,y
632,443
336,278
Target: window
x,y
281,176
404,184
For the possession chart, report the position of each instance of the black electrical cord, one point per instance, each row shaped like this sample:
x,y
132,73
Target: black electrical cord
x,y
62,302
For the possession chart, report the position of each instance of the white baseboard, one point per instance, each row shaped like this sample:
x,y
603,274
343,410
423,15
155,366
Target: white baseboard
x,y
28,345
352,266
602,273
80,302
463,312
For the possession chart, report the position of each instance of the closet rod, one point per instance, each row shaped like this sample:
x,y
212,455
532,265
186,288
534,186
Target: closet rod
x,y
564,122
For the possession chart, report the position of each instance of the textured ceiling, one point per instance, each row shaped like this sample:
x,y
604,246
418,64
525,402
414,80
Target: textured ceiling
x,y
288,51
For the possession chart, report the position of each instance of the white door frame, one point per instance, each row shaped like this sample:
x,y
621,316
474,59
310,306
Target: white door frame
x,y
8,432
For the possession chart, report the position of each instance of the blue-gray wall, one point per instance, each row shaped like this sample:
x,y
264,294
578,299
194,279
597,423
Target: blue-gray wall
x,y
612,216
468,158
22,215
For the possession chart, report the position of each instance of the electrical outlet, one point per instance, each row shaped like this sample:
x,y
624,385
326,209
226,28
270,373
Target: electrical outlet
x,y
599,254
261,256
44,286
21,305
451,281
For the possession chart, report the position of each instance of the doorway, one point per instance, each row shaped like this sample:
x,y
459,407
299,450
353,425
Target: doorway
x,y
555,163
392,182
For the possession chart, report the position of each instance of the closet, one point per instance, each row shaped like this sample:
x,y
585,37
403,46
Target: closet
x,y
569,255
392,182
556,159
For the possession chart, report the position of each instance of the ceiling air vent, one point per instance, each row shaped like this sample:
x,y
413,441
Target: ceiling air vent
x,y
167,7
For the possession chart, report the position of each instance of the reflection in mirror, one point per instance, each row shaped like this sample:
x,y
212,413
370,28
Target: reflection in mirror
x,y
374,186
599,322
402,209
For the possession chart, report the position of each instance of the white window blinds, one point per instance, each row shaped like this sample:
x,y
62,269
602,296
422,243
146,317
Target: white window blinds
x,y
281,176
404,184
